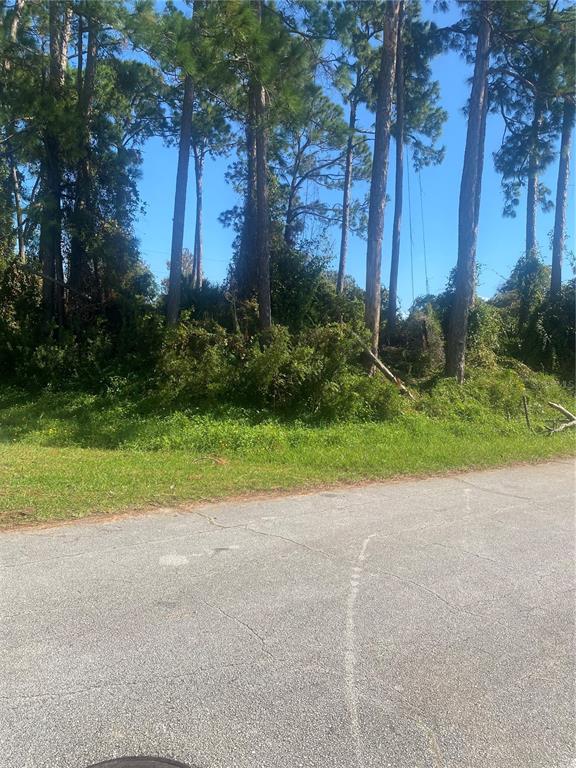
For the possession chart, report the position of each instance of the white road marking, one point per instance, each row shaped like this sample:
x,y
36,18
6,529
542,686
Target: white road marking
x,y
350,653
173,560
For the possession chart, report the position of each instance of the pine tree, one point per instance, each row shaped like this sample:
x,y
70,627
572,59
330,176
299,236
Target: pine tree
x,y
60,15
355,26
210,136
268,69
529,64
418,123
561,198
384,100
469,202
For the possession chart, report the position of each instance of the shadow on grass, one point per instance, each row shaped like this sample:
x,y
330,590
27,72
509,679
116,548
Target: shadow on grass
x,y
84,420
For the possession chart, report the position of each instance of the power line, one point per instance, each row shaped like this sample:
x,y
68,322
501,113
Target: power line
x,y
423,234
157,254
410,221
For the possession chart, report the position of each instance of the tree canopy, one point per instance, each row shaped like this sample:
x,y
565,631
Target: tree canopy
x,y
305,99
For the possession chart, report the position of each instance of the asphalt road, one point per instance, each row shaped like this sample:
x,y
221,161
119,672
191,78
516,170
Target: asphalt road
x,y
408,624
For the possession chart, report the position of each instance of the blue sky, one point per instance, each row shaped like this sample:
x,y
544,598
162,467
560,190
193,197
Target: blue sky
x,y
500,242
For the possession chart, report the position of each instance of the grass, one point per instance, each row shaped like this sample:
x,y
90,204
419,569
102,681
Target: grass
x,y
65,455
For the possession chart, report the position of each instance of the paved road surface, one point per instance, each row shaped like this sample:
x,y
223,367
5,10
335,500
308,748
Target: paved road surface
x,y
413,624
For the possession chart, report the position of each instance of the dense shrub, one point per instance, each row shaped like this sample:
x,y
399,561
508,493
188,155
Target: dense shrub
x,y
494,397
196,362
548,343
424,343
484,334
317,374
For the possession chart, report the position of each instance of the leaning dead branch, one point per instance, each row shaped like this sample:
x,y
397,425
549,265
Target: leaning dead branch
x,y
386,371
570,418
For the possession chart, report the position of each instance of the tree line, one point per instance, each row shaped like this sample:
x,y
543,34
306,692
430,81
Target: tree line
x,y
307,98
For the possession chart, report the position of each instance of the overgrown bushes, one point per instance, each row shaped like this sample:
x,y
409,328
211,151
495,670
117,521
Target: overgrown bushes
x,y
317,374
309,366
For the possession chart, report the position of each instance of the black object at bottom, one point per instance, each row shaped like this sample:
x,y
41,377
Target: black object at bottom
x,y
140,762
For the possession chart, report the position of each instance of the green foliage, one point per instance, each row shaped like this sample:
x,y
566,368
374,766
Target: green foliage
x,y
112,329
69,454
494,398
123,340
484,335
548,343
294,276
195,362
20,319
424,342
7,238
532,328
317,374
534,58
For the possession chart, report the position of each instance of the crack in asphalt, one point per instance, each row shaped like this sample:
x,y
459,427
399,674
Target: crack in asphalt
x,y
466,551
257,531
453,608
121,548
110,684
242,623
489,490
297,543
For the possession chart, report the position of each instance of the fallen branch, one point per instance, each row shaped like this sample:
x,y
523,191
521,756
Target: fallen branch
x,y
386,371
526,414
570,418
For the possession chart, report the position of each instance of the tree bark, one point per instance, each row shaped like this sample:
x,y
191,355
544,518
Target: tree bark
x,y
80,54
15,179
532,184
198,241
469,204
480,163
64,41
59,16
83,218
175,280
15,20
246,267
346,194
51,234
262,213
17,202
258,119
398,190
380,172
561,199
289,227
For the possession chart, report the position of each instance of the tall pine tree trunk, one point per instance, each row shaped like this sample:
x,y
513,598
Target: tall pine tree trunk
x,y
532,185
14,177
246,266
83,224
262,213
480,164
51,234
469,204
175,279
15,183
59,18
289,226
561,199
15,20
380,173
258,241
398,188
198,242
346,194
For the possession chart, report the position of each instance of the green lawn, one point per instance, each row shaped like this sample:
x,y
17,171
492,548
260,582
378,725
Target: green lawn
x,y
67,456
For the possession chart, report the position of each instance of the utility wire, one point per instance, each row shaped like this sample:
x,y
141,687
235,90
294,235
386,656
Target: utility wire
x,y
423,234
410,221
